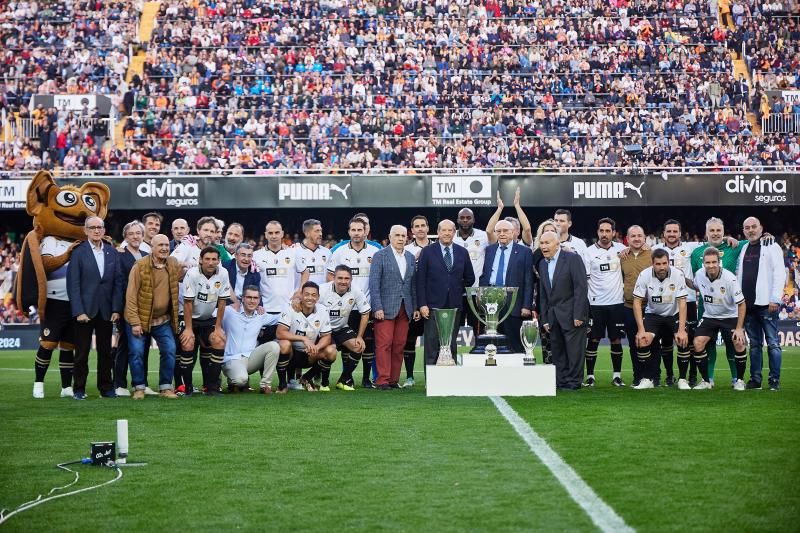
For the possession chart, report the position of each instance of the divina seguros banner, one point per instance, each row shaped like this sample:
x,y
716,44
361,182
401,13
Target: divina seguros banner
x,y
253,191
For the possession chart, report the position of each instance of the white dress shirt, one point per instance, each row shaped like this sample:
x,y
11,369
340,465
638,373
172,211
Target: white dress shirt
x,y
400,257
99,257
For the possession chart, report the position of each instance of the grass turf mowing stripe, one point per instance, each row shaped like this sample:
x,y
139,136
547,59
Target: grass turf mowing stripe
x,y
603,516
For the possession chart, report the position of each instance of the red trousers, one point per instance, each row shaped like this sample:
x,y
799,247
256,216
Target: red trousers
x,y
390,337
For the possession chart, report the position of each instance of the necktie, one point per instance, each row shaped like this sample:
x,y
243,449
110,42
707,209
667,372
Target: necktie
x,y
501,267
448,259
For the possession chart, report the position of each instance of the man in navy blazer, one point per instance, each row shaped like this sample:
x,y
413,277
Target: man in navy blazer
x,y
240,273
394,302
443,271
510,264
564,309
94,286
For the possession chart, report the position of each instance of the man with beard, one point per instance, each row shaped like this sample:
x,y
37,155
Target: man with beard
x,y
233,236
357,255
312,257
563,220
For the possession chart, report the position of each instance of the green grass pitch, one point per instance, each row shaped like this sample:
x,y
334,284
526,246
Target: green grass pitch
x,y
664,460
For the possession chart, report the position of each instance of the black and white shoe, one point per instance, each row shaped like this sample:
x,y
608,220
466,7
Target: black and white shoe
x,y
617,382
589,382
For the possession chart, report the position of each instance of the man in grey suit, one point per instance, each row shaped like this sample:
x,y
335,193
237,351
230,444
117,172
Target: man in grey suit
x,y
564,309
393,300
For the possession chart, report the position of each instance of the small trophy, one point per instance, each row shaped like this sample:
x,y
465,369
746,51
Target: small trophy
x,y
445,322
529,335
491,351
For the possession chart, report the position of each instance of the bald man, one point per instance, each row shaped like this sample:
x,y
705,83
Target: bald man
x,y
443,271
762,273
564,309
632,264
394,303
180,229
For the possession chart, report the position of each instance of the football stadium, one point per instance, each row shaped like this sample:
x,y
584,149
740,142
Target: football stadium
x,y
397,265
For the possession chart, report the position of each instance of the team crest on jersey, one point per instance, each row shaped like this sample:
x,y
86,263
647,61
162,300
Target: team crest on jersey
x,y
477,242
369,260
672,286
217,285
316,323
350,301
287,260
721,254
46,332
683,252
722,290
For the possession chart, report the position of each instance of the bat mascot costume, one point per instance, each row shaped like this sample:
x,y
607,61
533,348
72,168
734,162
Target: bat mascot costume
x,y
58,217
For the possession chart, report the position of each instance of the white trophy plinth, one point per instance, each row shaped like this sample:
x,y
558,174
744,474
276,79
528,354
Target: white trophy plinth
x,y
509,378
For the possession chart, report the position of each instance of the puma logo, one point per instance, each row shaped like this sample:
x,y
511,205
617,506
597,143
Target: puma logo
x,y
633,188
336,188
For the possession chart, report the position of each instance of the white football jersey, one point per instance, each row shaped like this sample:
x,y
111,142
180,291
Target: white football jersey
x,y
340,306
661,297
278,277
680,258
57,279
314,261
189,256
359,262
312,326
415,248
721,296
604,273
205,292
576,244
476,244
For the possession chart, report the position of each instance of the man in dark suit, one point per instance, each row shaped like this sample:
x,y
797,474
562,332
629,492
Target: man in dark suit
x,y
240,271
443,270
94,285
510,264
565,309
393,301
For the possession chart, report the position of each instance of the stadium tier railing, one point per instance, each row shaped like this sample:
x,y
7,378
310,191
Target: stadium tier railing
x,y
472,171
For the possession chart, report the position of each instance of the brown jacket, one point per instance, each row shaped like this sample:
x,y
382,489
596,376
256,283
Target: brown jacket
x,y
139,298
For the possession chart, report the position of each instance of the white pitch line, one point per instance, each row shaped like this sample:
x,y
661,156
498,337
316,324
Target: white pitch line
x,y
601,514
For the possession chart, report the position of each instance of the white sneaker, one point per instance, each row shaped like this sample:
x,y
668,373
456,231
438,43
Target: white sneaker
x,y
683,385
644,383
738,384
66,392
703,385
149,392
38,390
295,385
122,391
711,382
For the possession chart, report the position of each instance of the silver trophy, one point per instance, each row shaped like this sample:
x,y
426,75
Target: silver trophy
x,y
445,322
491,305
491,351
529,336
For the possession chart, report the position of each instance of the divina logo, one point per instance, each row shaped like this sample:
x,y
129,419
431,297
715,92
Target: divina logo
x,y
174,194
756,184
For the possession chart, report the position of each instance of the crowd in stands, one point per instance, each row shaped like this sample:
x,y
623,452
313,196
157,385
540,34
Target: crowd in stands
x,y
407,85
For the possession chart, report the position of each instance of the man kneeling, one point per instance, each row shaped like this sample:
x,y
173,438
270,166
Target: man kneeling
x,y
243,355
305,341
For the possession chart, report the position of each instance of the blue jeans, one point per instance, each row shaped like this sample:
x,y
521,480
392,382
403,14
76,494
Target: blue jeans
x,y
759,323
166,345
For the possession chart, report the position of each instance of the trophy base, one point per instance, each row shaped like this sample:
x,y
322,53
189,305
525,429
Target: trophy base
x,y
500,341
491,361
529,361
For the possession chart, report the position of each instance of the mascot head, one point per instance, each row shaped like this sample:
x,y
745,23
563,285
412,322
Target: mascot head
x,y
61,211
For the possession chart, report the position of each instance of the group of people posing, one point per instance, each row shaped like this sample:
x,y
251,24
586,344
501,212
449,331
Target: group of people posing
x,y
293,310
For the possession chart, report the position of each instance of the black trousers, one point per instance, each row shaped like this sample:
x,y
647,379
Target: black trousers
x,y
569,354
431,339
105,360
